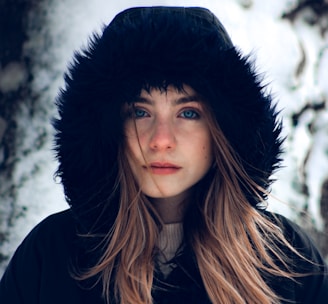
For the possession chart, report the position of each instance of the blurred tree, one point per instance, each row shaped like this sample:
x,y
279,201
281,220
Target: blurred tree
x,y
314,13
15,79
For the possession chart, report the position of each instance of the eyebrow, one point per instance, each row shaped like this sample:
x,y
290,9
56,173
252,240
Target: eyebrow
x,y
181,100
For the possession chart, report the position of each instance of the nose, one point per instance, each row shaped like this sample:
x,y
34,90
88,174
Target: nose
x,y
162,137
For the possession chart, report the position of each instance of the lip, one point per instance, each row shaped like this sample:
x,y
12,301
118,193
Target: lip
x,y
163,168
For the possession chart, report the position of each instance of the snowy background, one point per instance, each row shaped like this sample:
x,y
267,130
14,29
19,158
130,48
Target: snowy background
x,y
289,39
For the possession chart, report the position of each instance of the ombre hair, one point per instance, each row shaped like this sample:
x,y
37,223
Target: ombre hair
x,y
234,243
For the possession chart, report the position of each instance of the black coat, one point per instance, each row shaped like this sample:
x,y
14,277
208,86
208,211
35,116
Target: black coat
x,y
40,271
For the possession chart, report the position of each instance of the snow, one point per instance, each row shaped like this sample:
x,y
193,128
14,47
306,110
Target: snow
x,y
322,74
255,27
12,76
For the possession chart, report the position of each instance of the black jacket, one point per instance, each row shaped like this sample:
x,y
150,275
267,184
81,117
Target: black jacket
x,y
41,270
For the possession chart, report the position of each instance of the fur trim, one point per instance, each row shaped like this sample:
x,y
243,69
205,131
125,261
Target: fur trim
x,y
158,46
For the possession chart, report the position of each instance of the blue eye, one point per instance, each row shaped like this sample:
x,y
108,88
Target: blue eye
x,y
189,114
139,113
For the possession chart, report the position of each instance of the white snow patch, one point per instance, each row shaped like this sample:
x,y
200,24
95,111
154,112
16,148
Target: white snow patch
x,y
12,76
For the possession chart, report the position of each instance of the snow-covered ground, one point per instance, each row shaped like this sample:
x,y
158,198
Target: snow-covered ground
x,y
255,26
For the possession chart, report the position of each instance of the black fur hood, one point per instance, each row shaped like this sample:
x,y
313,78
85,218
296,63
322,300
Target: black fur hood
x,y
152,46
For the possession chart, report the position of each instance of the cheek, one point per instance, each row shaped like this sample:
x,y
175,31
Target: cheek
x,y
207,149
129,130
131,139
135,138
133,150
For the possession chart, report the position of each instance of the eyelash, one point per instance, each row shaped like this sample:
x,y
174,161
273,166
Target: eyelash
x,y
136,110
139,113
195,114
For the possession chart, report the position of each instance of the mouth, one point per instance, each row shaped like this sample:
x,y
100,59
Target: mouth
x,y
163,168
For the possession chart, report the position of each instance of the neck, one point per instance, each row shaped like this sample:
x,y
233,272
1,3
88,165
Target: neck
x,y
171,209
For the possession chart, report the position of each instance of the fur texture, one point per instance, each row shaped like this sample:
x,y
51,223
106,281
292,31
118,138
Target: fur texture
x,y
154,47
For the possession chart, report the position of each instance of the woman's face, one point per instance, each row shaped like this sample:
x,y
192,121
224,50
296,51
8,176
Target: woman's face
x,y
169,142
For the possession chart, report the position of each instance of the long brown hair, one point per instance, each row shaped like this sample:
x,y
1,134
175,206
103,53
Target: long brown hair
x,y
233,242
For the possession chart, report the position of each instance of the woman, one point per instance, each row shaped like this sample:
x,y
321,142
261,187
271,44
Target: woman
x,y
166,143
